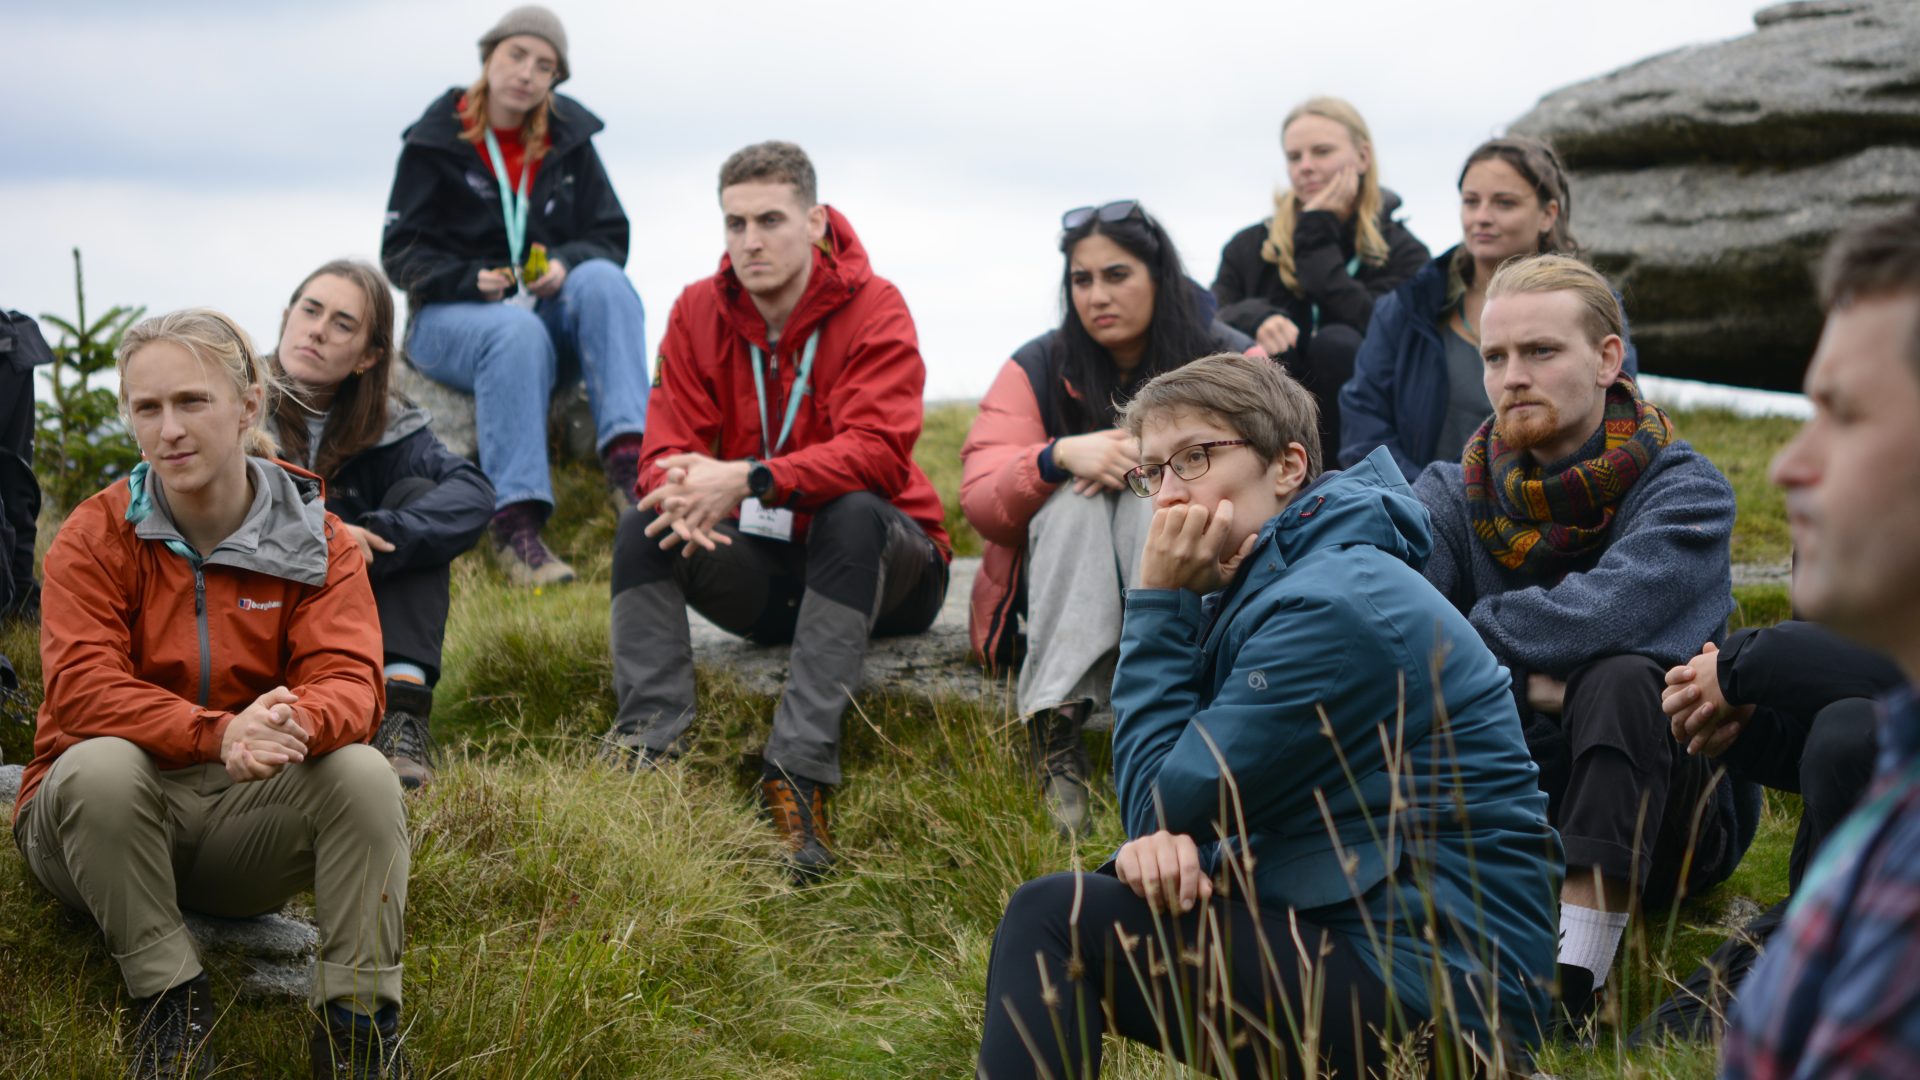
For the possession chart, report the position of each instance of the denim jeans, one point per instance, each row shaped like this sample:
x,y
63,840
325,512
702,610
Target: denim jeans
x,y
508,357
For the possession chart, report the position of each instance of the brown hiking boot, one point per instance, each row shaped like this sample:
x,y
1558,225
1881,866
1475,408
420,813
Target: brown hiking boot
x,y
1059,758
403,734
798,807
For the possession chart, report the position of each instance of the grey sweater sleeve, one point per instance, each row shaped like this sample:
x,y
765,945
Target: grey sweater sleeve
x,y
1663,586
1447,569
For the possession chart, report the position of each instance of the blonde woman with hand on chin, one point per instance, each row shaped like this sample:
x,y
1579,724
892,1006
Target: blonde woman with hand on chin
x,y
1303,282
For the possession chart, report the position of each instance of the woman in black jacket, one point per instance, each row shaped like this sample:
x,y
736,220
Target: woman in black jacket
x,y
510,243
412,505
1302,283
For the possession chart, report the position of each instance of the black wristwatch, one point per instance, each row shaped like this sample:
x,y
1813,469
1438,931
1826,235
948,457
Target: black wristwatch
x,y
759,478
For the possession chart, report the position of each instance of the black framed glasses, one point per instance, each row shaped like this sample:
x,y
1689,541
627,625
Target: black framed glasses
x,y
1187,463
1110,214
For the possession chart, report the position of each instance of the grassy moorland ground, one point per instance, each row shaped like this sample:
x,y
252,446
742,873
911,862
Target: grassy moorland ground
x,y
568,921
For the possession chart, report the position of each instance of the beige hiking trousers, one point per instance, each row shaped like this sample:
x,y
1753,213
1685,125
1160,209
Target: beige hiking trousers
x,y
130,845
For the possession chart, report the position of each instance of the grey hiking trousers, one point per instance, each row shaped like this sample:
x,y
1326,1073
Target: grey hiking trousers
x,y
865,569
1083,552
130,845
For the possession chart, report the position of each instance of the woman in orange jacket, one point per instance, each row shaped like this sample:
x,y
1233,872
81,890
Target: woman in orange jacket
x,y
212,662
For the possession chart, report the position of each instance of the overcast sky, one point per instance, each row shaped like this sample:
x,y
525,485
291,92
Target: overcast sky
x,y
211,152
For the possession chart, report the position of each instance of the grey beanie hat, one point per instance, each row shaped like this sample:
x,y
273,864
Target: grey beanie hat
x,y
529,19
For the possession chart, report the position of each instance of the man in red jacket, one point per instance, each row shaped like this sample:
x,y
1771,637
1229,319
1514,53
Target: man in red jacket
x,y
778,490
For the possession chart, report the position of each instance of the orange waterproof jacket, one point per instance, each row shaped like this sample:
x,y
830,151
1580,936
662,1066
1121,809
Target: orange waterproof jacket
x,y
139,643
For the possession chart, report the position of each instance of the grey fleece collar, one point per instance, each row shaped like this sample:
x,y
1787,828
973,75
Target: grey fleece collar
x,y
284,534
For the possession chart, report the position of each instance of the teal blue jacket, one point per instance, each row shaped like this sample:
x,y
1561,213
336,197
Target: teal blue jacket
x,y
1296,717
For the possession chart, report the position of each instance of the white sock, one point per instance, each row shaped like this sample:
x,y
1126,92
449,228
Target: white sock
x,y
401,669
1589,938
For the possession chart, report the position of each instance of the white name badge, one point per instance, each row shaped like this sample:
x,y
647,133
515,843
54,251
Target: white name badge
x,y
758,520
522,299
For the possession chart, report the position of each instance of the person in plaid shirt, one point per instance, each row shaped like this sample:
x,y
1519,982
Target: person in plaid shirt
x,y
1839,993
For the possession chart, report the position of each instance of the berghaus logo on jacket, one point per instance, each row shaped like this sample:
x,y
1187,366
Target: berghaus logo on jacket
x,y
250,604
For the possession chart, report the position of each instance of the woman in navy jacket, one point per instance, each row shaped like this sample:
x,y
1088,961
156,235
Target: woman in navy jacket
x,y
1416,386
410,504
1319,766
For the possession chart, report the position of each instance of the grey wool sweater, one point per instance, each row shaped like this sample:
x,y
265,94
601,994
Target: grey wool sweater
x,y
1660,587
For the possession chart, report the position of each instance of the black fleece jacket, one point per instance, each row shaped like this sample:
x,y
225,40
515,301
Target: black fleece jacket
x,y
1249,290
443,216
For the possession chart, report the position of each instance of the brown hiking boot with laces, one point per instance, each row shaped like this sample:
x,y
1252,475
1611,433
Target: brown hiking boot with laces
x,y
798,807
403,734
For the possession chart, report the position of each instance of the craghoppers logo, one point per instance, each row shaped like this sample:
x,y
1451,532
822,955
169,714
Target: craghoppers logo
x,y
249,604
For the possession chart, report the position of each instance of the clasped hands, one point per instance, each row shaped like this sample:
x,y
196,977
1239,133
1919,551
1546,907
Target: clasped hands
x,y
1187,548
697,493
1700,715
264,738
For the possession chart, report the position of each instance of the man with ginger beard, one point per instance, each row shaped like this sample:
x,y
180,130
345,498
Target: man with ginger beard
x,y
1589,547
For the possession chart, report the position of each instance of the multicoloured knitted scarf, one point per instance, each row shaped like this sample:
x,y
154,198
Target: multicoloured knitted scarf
x,y
1539,524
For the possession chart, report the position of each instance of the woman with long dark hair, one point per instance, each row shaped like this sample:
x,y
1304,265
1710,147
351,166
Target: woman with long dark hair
x,y
509,240
1041,480
1416,386
1303,282
410,504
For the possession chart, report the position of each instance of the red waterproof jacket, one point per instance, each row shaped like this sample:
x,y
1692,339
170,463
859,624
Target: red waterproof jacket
x,y
857,425
138,643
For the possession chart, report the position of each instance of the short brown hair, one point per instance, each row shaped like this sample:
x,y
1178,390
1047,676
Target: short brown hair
x,y
773,162
1562,273
1877,259
1250,394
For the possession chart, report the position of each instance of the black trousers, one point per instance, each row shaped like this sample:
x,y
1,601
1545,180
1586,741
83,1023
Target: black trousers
x,y
1835,748
865,569
1626,797
413,602
1323,367
1077,952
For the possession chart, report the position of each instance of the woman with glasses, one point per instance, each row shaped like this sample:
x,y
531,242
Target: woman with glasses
x,y
1042,480
509,241
1337,847
1303,282
1416,387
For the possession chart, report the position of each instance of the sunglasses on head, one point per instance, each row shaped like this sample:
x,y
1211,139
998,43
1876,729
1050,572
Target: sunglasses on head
x,y
1112,213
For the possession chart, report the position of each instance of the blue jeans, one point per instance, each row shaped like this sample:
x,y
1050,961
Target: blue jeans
x,y
508,357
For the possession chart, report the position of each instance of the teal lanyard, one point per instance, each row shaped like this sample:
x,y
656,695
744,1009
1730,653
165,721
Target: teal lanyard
x,y
513,207
793,399
1353,267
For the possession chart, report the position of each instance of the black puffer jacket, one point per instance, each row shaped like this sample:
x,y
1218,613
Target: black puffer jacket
x,y
1249,290
443,215
432,529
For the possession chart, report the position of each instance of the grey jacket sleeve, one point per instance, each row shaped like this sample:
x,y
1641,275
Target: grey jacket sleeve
x,y
1663,587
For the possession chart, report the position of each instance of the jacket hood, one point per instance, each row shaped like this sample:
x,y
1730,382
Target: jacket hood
x,y
1369,503
284,534
403,419
840,269
569,124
